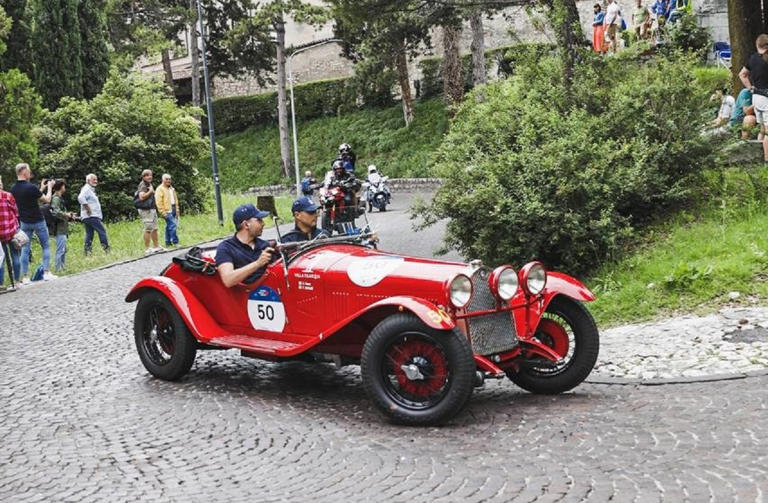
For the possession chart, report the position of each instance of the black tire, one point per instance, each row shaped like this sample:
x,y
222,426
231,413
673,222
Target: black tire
x,y
165,345
583,347
444,357
370,207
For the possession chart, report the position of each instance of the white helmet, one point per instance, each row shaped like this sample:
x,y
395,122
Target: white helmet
x,y
372,168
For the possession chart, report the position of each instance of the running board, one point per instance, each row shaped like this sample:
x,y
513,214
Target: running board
x,y
252,344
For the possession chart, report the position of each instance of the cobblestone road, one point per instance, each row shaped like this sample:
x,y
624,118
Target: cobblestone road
x,y
83,421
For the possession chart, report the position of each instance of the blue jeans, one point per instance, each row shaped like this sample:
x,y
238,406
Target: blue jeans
x,y
94,224
170,228
12,255
61,251
41,230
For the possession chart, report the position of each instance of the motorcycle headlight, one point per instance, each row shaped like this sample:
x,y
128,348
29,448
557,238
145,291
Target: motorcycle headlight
x,y
534,278
460,291
503,282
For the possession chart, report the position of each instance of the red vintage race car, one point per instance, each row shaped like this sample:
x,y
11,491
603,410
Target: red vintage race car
x,y
424,332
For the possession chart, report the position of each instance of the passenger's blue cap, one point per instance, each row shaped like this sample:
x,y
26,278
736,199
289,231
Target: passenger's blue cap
x,y
304,204
246,211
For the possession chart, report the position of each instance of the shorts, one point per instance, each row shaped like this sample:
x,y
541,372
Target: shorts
x,y
149,219
612,31
761,109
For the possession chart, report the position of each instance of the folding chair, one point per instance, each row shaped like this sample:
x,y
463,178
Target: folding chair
x,y
723,54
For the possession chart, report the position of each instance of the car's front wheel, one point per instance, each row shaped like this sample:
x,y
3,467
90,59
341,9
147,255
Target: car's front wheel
x,y
569,329
165,345
414,374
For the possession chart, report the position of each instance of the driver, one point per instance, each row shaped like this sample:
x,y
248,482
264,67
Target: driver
x,y
305,220
244,257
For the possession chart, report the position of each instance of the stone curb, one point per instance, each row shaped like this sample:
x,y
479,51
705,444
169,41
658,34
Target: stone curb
x,y
622,381
395,185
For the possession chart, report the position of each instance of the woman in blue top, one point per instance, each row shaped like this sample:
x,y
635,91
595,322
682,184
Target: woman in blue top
x,y
598,35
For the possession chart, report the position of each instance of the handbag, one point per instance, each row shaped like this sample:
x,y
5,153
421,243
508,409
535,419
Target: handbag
x,y
19,239
146,204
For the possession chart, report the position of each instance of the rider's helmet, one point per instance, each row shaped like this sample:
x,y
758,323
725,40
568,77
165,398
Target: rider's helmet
x,y
345,147
338,166
372,169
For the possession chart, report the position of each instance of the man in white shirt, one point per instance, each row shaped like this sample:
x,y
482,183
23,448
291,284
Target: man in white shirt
x,y
612,23
90,213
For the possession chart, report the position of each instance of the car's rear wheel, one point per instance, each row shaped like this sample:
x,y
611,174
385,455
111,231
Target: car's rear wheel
x,y
569,329
165,345
414,374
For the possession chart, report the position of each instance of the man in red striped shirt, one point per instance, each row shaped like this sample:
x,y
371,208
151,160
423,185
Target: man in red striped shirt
x,y
9,224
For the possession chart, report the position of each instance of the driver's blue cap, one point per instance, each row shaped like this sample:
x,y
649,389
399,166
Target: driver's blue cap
x,y
246,211
304,204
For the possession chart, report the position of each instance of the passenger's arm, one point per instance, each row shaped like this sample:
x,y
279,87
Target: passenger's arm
x,y
744,77
231,276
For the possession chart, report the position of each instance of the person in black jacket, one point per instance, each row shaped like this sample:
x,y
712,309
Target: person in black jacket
x,y
754,76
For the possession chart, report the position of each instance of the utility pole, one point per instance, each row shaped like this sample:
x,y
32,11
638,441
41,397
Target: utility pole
x,y
209,104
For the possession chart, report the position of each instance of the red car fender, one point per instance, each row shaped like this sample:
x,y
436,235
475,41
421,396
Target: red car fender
x,y
192,311
430,314
527,319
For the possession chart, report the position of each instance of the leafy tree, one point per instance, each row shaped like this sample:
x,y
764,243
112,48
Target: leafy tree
x,y
18,54
94,54
131,125
746,20
56,46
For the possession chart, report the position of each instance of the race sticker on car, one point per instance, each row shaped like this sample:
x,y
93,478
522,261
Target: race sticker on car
x,y
370,270
265,310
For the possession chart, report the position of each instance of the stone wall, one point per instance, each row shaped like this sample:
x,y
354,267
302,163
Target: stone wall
x,y
395,185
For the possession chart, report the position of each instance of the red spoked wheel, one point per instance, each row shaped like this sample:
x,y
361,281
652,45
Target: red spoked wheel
x,y
553,334
415,374
416,371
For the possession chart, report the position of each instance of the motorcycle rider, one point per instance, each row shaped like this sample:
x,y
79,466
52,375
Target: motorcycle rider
x,y
349,185
346,156
374,178
305,221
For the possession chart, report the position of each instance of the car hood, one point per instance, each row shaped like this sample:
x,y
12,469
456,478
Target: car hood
x,y
376,274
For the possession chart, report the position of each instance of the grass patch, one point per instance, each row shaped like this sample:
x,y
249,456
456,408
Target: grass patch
x,y
693,261
378,136
126,237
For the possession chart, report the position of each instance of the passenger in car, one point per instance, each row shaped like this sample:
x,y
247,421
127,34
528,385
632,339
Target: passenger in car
x,y
243,257
305,222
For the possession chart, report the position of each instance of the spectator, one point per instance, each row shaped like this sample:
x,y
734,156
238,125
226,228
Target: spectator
x,y
598,35
61,226
641,18
167,201
146,196
743,114
32,220
308,184
659,10
612,23
9,224
754,76
90,214
726,107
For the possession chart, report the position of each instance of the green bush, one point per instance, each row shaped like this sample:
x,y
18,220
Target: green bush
x,y
538,170
322,98
686,35
130,126
19,112
709,78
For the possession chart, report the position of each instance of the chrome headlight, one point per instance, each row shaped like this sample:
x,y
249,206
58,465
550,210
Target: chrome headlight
x,y
503,282
534,278
460,291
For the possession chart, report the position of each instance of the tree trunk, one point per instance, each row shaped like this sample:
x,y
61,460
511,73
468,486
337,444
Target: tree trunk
x,y
479,75
282,107
401,64
167,69
745,23
453,83
194,57
565,21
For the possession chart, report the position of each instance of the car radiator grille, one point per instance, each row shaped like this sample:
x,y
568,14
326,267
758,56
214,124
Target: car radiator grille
x,y
490,333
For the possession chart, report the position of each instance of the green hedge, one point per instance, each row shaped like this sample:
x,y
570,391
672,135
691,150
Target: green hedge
x,y
506,57
322,98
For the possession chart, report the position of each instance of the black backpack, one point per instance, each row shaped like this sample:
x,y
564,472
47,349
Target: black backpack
x,y
50,220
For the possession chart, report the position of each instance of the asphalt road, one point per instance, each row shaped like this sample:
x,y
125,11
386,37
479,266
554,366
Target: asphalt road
x,y
83,421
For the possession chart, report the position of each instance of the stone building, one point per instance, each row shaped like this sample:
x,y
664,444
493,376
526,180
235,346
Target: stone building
x,y
325,61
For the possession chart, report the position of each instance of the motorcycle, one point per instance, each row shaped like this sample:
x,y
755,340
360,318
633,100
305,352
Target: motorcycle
x,y
377,194
339,208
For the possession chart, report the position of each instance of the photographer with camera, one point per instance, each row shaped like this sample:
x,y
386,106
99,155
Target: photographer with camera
x,y
27,196
144,202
